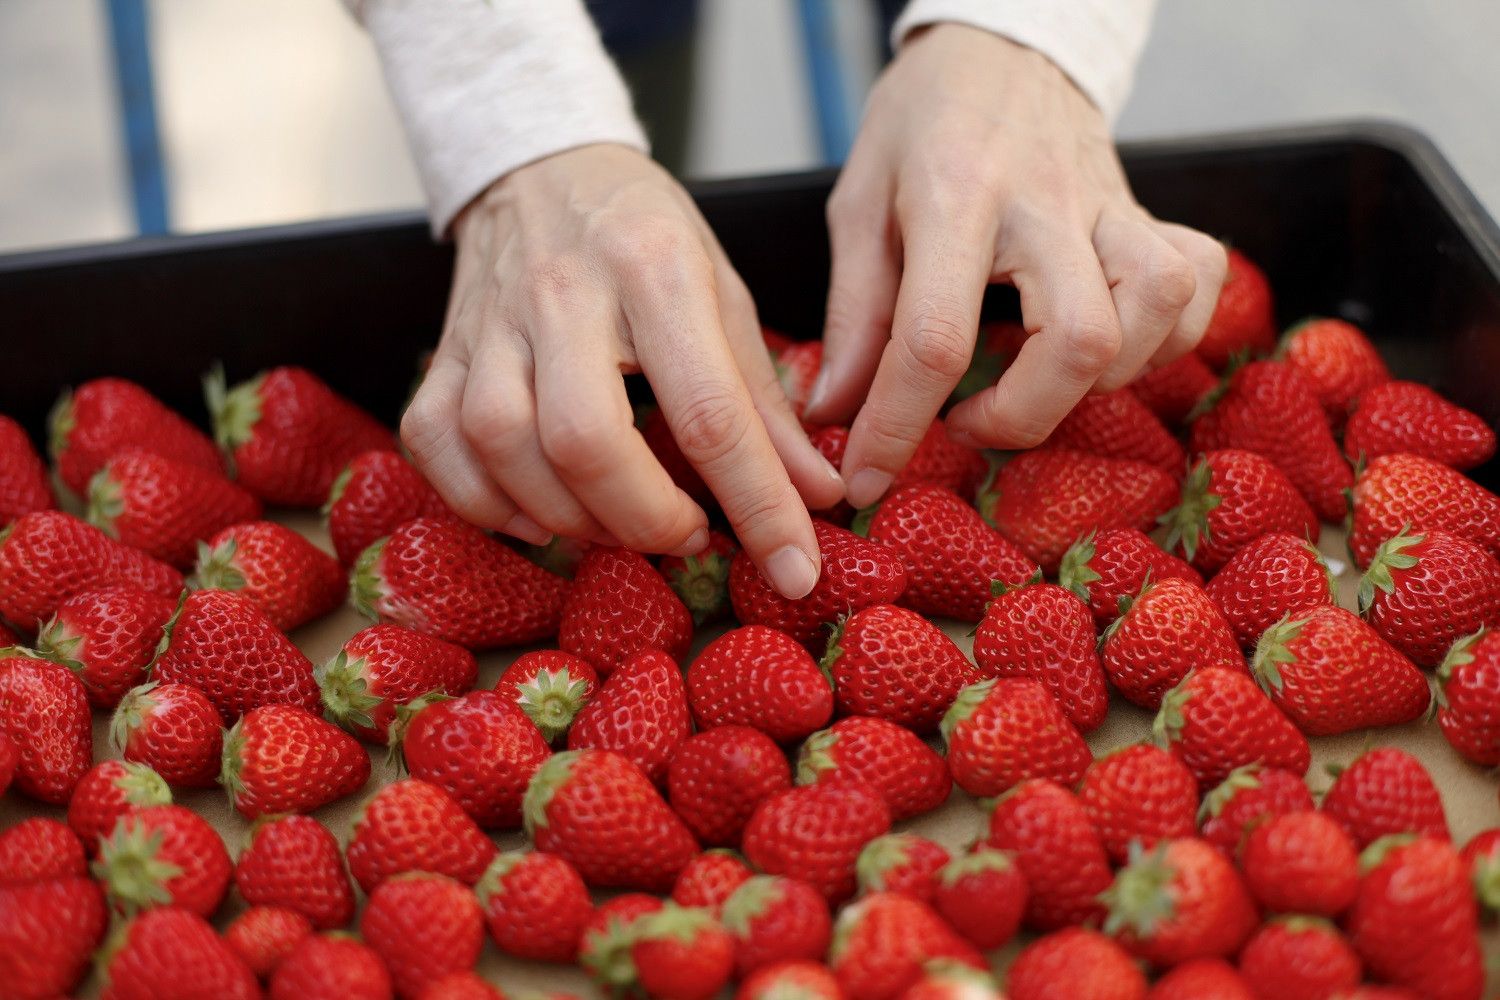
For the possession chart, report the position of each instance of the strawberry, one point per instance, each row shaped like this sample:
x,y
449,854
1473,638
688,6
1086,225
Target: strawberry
x,y
1179,901
619,605
1299,958
1001,732
1217,720
225,646
287,435
882,941
331,967
1076,962
1047,832
39,850
796,980
1415,922
982,895
702,581
289,578
1482,855
1386,791
1423,592
263,936
1468,697
1104,566
174,730
1118,425
1331,673
831,442
561,556
550,686
47,557
900,862
295,863
950,554
1268,579
599,811
376,493
163,856
1337,360
480,748
947,980
463,986
709,879
103,417
423,926
107,637
910,776
1409,417
774,920
653,426
1042,631
164,507
1229,499
775,340
1403,494
1249,796
797,365
1167,630
682,954
281,758
48,931
535,904
450,580
1139,794
173,952
1269,408
1199,978
893,664
760,677
815,833
10,759
1302,862
1242,322
716,779
641,712
942,461
412,825
24,485
109,790
1173,390
384,667
44,712
604,946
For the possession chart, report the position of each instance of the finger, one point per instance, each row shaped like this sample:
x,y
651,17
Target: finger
x,y
1210,263
1150,283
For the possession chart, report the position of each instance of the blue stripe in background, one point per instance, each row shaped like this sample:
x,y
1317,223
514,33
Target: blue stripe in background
x,y
129,41
820,41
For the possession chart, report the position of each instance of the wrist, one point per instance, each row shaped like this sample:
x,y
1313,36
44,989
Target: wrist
x,y
548,178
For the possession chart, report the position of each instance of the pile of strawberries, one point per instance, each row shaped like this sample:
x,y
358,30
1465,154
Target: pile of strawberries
x,y
748,807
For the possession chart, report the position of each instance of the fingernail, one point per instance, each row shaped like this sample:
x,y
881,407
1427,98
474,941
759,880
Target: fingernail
x,y
696,543
866,486
527,530
829,470
819,389
791,572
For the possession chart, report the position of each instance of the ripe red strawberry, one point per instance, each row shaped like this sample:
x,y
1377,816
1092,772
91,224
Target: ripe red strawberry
x,y
831,441
173,952
1269,408
946,980
44,712
1331,673
604,947
982,895
882,941
910,776
10,759
1229,499
550,686
619,605
287,435
39,850
681,954
1001,732
1482,855
1075,962
653,426
1118,425
1104,566
709,879
47,557
716,779
163,856
815,833
950,554
942,461
1303,862
412,825
900,862
294,862
1415,922
1139,794
24,486
1217,720
377,492
893,664
1045,500
448,579
105,416
164,507
702,581
1386,791
1199,978
48,931
1299,958
331,967
1338,361
1403,494
423,926
225,646
760,677
1181,900
174,730
107,637
1173,390
774,920
797,365
109,790
1047,831
857,573
599,811
1468,696
467,986
1267,579
1249,796
384,667
535,904
263,936
1166,631
798,980
479,748
281,758
1423,592
641,712
289,578
1409,417
1042,631
1242,322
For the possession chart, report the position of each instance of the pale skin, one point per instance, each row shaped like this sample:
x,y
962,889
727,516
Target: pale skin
x,y
978,161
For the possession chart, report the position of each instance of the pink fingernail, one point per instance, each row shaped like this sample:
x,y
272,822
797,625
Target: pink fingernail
x,y
866,486
527,530
792,572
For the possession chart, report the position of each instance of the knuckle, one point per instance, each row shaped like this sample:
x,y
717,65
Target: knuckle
x,y
576,439
711,425
938,346
1029,432
553,280
756,508
496,424
423,426
652,250
1167,280
1091,341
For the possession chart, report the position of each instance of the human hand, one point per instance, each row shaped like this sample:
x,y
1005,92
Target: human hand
x,y
570,272
979,161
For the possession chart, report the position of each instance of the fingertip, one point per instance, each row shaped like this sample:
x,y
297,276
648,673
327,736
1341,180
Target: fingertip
x,y
792,572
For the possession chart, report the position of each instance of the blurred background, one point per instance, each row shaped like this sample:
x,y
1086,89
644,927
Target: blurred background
x,y
273,111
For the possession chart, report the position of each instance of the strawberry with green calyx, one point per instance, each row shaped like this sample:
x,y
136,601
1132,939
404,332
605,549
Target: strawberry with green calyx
x,y
1218,719
1271,577
107,637
815,833
423,927
982,895
1247,797
39,849
48,932
716,779
1243,321
105,416
411,826
376,493
1104,566
619,605
551,687
109,790
944,979
1338,361
1139,794
795,980
1047,833
24,484
1468,691
910,776
535,905
281,759
1409,417
1402,494
383,667
1118,425
710,879
641,712
1482,855
1423,592
1180,901
295,863
169,951
1303,862
1173,390
1229,498
174,729
163,856
604,946
774,919
1075,962
1163,633
760,677
292,580
1001,732
681,953
891,663
702,580
882,942
262,936
1299,958
900,862
1385,791
45,714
